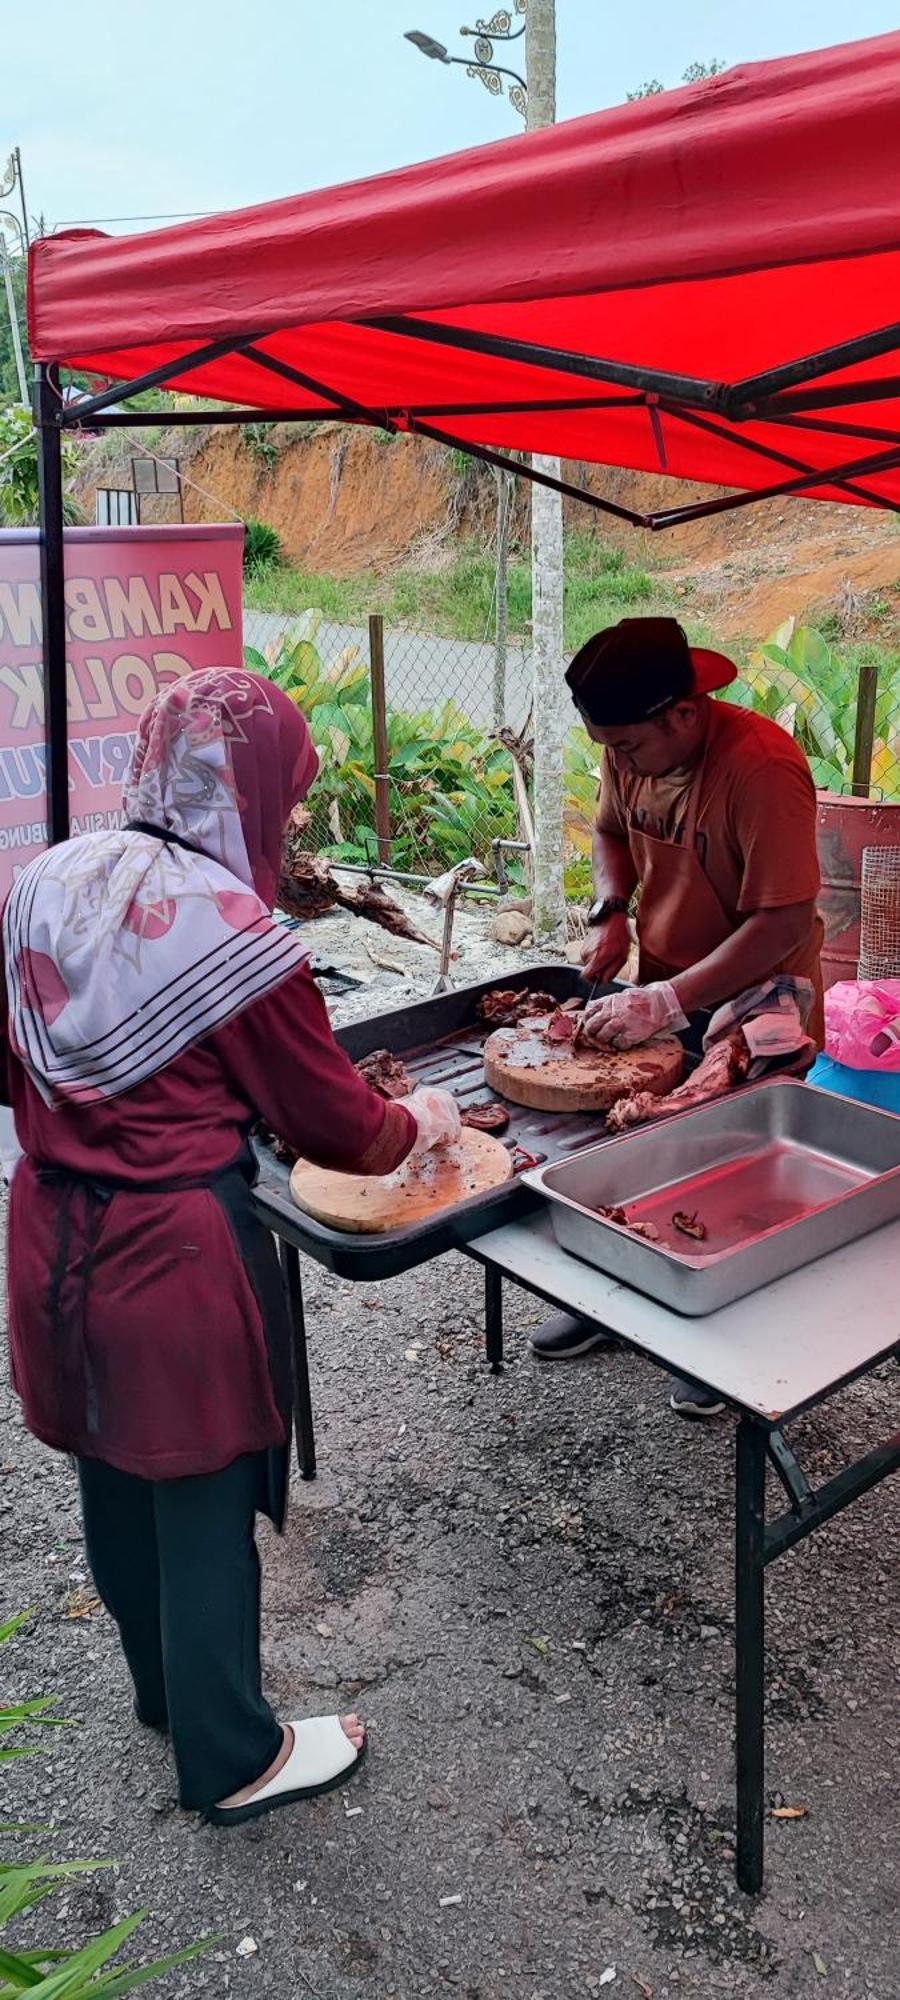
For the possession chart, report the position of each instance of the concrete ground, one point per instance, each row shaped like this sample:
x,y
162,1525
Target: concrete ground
x,y
525,1585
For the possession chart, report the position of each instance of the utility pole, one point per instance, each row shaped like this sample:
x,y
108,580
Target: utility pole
x,y
13,319
550,695
505,496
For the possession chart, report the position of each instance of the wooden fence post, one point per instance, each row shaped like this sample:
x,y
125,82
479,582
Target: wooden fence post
x,y
379,739
866,697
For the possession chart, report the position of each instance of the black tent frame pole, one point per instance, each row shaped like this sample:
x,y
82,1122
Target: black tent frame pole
x,y
840,395
347,406
886,461
215,350
684,388
742,397
831,427
47,407
772,453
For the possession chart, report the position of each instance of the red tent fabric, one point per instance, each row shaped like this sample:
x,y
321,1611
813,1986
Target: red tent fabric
x,y
701,237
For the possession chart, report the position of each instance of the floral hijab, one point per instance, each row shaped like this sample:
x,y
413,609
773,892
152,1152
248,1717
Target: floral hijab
x,y
123,948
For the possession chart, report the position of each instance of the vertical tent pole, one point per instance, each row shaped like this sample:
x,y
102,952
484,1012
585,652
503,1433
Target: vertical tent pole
x,y
380,738
47,409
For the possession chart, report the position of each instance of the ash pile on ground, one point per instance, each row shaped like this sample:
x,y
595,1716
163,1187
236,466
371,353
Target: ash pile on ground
x,y
524,1583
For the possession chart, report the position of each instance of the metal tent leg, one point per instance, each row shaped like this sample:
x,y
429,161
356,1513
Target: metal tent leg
x,y
47,405
493,1318
303,1416
750,1534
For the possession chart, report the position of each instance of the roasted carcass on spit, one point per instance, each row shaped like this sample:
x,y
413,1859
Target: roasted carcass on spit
x,y
722,1068
308,887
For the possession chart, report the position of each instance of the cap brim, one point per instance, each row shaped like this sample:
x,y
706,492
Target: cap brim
x,y
711,670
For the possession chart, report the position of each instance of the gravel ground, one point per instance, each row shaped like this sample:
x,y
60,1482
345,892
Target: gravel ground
x,y
525,1585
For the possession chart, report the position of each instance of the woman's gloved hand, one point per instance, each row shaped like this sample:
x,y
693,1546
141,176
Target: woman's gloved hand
x,y
623,1020
437,1115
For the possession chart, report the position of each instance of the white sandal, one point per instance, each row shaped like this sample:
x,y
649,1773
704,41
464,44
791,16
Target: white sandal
x,y
321,1759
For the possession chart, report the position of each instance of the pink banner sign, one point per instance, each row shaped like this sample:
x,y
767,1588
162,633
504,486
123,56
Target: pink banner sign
x,y
143,606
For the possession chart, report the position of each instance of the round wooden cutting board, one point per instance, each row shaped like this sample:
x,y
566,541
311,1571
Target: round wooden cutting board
x,y
521,1065
368,1203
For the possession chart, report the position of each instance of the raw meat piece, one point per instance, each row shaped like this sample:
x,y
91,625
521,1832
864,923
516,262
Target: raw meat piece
x,y
486,1117
507,1005
282,1151
620,1216
722,1069
562,1027
385,1073
689,1225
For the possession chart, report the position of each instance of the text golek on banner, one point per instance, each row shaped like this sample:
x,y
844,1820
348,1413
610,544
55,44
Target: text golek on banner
x,y
143,606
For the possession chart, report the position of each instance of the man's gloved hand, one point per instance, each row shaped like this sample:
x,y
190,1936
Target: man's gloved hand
x,y
606,947
623,1020
437,1115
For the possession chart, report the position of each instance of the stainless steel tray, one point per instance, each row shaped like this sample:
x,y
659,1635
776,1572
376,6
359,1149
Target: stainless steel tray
x,y
778,1175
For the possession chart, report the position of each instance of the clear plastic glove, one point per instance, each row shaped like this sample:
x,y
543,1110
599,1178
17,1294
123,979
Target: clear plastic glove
x,y
437,1115
623,1020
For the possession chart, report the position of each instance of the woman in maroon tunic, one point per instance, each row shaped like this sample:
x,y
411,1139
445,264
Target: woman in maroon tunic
x,y
153,1011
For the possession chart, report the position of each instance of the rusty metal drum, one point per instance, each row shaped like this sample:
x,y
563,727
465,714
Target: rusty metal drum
x,y
845,826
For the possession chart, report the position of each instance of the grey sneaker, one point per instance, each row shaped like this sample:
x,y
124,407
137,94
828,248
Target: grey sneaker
x,y
689,1401
563,1338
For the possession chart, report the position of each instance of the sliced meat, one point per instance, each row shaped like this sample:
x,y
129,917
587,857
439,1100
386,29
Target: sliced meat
x,y
288,1155
507,1005
689,1225
634,1110
622,1219
385,1073
486,1117
562,1027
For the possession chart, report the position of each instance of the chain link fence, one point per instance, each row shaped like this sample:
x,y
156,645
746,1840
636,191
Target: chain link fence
x,y
456,719
419,738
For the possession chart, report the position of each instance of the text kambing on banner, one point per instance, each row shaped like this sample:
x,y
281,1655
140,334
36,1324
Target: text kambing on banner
x,y
143,606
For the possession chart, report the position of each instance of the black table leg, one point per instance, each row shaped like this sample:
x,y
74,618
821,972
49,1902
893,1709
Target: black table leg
x,y
493,1318
303,1416
750,1533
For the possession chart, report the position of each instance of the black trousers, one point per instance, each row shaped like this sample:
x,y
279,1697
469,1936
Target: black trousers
x,y
176,1564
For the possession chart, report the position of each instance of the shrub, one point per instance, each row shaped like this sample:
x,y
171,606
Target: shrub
x,y
262,548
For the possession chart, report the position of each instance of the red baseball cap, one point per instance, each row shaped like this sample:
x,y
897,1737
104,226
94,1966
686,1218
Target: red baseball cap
x,y
632,671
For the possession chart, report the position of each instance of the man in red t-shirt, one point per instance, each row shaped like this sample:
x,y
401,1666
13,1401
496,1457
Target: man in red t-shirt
x,y
709,811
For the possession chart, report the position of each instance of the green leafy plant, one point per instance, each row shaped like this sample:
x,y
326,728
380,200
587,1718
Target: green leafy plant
x,y
451,787
803,683
19,471
52,1973
259,440
262,548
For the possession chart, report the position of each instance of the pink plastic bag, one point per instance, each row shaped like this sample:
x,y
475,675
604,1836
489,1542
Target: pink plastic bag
x,y
862,1023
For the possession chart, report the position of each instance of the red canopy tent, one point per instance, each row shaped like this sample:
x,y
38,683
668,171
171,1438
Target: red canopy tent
x,y
704,283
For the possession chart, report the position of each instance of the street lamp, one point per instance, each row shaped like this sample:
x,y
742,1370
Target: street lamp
x,y
481,63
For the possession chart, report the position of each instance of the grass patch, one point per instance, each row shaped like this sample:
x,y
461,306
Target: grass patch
x,y
458,602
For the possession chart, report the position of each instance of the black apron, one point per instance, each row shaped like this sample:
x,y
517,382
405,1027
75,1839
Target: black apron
x,y
232,1187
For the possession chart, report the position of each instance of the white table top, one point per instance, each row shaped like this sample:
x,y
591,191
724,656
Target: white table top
x,y
772,1353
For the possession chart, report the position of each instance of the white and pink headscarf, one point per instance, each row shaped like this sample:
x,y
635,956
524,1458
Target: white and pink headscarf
x,y
123,948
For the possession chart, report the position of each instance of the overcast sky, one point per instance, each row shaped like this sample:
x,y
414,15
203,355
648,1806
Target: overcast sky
x,y
173,105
